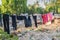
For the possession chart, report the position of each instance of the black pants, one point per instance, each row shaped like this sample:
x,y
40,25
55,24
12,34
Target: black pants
x,y
14,24
20,17
35,20
6,23
0,20
27,21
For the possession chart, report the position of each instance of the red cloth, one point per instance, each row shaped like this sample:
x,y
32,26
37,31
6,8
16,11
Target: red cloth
x,y
50,16
45,18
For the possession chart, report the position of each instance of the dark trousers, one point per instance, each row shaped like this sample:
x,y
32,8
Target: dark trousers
x,y
20,17
6,23
35,20
27,21
0,20
14,24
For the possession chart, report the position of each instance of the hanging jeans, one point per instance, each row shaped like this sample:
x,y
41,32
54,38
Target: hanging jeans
x,y
14,24
0,20
6,23
27,21
35,20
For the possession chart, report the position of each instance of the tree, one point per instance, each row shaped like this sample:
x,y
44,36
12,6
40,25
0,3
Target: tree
x,y
14,6
20,6
58,6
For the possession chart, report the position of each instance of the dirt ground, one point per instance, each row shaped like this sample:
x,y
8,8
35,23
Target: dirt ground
x,y
53,26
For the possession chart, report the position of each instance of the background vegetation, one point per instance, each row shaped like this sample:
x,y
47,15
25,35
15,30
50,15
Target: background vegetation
x,y
20,6
5,36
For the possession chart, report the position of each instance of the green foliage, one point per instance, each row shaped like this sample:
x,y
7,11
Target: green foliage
x,y
14,6
5,36
0,9
51,9
39,10
21,6
33,10
30,10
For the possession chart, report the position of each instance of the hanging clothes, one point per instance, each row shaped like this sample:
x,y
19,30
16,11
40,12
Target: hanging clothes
x,y
14,24
50,16
35,20
39,18
20,17
44,18
0,20
6,23
27,21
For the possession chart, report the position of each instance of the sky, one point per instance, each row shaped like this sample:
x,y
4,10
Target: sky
x,y
31,2
0,2
41,2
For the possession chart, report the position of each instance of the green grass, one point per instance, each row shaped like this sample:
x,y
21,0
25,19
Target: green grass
x,y
5,36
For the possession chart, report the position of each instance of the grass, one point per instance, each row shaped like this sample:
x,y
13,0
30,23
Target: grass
x,y
5,36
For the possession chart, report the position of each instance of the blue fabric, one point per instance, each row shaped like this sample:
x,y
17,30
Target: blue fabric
x,y
27,21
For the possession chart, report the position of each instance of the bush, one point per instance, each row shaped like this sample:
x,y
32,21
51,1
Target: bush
x,y
5,36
